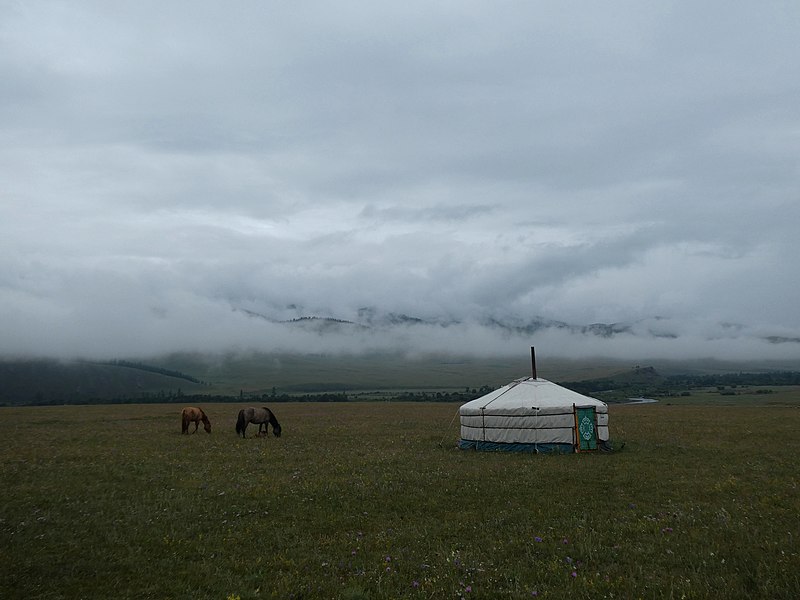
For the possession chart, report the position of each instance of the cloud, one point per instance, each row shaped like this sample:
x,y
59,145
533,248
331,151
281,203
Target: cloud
x,y
165,166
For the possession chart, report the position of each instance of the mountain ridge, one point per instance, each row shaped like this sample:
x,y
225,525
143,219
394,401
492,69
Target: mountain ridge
x,y
373,319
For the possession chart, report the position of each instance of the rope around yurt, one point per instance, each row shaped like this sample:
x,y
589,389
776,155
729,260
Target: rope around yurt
x,y
441,442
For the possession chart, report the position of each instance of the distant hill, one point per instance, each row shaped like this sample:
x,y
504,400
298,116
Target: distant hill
x,y
639,375
648,382
169,378
49,381
55,382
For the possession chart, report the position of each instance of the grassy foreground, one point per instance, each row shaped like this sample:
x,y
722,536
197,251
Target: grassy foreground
x,y
373,501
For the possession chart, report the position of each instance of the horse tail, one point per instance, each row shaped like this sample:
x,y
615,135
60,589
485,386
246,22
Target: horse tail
x,y
240,423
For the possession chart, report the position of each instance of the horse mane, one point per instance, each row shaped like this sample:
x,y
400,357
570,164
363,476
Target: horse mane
x,y
276,427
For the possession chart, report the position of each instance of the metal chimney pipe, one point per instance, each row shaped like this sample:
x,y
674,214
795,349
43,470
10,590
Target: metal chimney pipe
x,y
533,362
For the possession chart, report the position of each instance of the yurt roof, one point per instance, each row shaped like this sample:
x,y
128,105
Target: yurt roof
x,y
527,394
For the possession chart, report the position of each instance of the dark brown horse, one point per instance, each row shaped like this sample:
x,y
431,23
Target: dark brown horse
x,y
192,414
262,416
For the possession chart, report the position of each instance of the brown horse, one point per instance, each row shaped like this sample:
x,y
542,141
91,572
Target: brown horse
x,y
262,416
192,414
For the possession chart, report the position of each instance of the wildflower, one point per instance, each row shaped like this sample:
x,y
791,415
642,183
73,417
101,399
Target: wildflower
x,y
468,589
565,541
568,559
574,574
415,584
537,539
534,593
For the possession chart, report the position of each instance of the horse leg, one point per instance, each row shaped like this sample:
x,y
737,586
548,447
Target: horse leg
x,y
196,423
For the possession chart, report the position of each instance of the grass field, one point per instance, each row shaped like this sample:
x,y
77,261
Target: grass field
x,y
372,500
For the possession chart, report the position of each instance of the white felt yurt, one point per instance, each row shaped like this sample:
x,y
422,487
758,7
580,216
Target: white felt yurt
x,y
534,415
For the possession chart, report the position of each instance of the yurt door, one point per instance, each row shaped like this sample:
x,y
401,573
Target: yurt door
x,y
586,428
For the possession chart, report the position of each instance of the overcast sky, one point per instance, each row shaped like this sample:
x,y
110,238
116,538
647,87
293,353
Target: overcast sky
x,y
163,163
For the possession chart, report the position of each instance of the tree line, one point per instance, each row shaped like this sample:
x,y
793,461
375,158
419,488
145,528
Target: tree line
x,y
151,369
170,396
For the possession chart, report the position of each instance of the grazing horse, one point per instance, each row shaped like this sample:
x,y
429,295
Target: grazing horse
x,y
262,416
192,414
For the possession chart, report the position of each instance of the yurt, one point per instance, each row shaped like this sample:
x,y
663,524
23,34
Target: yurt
x,y
534,415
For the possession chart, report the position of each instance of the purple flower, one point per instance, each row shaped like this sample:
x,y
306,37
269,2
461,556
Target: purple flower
x,y
388,559
565,541
537,539
415,584
574,574
468,589
534,593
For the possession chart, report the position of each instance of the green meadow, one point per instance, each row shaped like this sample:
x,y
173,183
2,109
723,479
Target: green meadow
x,y
373,500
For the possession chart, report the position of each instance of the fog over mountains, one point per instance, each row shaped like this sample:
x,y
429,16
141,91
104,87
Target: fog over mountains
x,y
490,334
133,329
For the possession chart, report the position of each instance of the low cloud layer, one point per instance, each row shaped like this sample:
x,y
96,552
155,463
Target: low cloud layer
x,y
167,168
